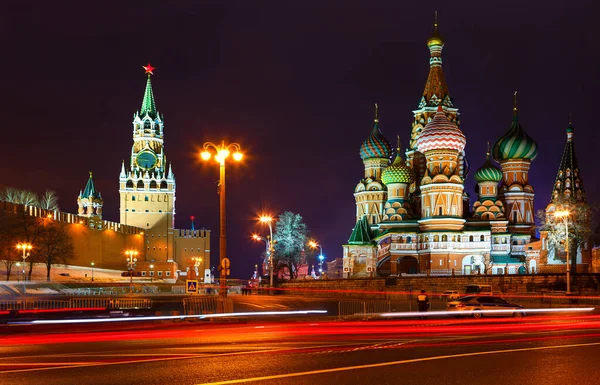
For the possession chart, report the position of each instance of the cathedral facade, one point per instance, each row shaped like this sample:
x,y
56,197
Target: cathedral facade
x,y
413,215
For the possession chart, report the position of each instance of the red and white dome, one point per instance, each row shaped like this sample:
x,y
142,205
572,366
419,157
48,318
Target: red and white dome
x,y
441,134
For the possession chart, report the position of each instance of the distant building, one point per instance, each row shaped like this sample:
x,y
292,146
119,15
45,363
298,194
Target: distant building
x,y
413,216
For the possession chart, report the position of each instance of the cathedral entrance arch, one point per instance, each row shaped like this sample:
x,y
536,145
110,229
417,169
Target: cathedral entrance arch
x,y
408,265
532,266
473,264
384,268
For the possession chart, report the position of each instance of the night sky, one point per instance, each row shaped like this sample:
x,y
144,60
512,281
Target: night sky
x,y
294,83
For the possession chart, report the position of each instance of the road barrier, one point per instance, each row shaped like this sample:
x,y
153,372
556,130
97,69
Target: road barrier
x,y
207,305
361,309
28,304
76,303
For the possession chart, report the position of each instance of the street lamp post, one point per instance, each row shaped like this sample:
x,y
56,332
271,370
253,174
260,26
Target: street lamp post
x,y
18,271
221,153
151,272
314,244
92,264
269,220
257,237
131,261
26,247
565,214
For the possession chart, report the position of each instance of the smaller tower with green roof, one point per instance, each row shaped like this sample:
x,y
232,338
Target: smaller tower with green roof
x,y
90,201
397,179
488,206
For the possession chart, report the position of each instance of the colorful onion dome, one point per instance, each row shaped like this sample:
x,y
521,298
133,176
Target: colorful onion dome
x,y
515,144
440,133
488,172
376,145
398,171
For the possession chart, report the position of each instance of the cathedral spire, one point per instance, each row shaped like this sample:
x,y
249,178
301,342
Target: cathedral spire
x,y
436,90
148,105
568,184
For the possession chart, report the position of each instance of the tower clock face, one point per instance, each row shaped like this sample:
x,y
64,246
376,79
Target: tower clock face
x,y
146,160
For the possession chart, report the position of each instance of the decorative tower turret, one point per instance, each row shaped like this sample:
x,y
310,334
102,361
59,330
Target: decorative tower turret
x,y
488,206
397,178
436,93
442,143
146,187
90,201
568,184
370,194
515,151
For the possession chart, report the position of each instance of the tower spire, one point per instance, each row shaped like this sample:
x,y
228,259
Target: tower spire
x,y
515,109
376,120
148,105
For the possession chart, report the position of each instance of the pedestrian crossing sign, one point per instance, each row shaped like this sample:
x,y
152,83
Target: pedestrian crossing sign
x,y
191,286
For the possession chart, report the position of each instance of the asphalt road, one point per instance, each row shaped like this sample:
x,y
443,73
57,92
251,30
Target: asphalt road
x,y
533,350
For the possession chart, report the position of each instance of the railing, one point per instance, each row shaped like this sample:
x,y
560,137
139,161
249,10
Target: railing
x,y
361,309
77,303
207,305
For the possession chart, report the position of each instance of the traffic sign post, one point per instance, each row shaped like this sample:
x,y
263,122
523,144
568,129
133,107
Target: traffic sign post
x,y
191,286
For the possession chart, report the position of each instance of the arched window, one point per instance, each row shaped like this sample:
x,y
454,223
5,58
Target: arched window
x,y
436,238
129,184
140,184
153,184
408,239
146,198
444,238
163,185
133,197
470,238
440,212
147,125
482,238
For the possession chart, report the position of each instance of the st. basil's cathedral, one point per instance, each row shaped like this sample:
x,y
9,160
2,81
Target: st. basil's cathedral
x,y
413,215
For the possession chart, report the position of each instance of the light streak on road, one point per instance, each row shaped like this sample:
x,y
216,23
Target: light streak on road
x,y
167,317
459,313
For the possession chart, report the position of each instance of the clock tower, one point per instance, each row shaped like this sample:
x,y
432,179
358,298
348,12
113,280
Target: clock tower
x,y
147,183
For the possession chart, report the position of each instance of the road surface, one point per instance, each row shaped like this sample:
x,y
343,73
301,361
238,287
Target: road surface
x,y
532,350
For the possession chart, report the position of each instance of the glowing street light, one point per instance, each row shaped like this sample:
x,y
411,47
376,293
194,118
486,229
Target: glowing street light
x,y
565,214
92,264
267,219
314,245
131,261
221,152
151,272
257,237
26,247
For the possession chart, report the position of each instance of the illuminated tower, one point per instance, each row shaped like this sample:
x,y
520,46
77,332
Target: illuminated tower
x,y
146,186
515,151
397,178
442,143
89,201
436,93
370,194
488,206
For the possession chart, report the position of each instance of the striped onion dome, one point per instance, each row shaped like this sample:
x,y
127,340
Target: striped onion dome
x,y
398,172
515,144
488,172
376,145
440,133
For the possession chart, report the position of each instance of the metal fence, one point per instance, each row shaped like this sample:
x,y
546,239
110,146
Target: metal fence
x,y
362,309
76,303
207,305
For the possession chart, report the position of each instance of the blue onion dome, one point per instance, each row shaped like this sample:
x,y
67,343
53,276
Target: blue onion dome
x,y
376,145
441,133
515,144
466,167
398,171
488,172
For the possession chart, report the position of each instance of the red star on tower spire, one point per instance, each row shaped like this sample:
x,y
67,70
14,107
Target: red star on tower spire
x,y
149,69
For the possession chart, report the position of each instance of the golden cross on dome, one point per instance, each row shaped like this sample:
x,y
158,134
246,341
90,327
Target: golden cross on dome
x,y
149,69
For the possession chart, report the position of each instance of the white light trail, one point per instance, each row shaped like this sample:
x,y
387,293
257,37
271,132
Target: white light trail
x,y
483,312
167,317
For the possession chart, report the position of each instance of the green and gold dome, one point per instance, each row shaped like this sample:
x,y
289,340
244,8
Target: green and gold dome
x,y
398,171
488,172
515,144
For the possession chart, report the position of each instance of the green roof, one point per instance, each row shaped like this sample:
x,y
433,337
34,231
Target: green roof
x,y
505,258
148,105
90,189
361,235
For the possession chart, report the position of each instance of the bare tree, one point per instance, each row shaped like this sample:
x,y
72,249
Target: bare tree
x,y
55,246
49,200
8,254
20,197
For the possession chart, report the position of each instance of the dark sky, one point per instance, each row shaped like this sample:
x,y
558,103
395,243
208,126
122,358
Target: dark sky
x,y
294,82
